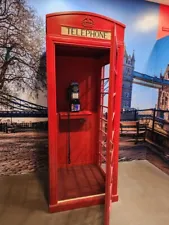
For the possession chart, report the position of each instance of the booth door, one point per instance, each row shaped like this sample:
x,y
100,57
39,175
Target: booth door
x,y
112,125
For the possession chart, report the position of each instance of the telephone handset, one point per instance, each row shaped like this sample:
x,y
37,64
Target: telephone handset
x,y
73,97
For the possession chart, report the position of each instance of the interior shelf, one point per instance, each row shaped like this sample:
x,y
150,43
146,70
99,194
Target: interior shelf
x,y
75,115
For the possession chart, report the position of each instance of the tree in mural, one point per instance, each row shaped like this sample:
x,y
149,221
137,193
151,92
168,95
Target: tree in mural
x,y
21,48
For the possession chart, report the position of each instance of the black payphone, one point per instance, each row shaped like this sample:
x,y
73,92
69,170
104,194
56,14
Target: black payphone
x,y
73,97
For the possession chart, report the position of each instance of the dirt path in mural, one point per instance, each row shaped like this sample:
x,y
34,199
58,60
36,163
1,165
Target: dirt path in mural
x,y
130,151
27,152
23,152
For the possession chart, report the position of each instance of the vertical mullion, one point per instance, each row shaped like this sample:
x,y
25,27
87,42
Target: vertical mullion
x,y
109,130
100,116
110,111
102,101
115,74
117,117
52,121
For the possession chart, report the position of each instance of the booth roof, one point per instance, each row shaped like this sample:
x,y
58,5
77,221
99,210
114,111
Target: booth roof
x,y
85,13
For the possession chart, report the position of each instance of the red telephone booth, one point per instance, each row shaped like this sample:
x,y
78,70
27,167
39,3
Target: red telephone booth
x,y
83,145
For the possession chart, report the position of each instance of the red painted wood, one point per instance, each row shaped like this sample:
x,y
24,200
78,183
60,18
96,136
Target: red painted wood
x,y
75,19
115,198
90,14
100,134
102,171
109,166
75,115
71,58
83,134
77,203
117,117
102,45
80,181
52,121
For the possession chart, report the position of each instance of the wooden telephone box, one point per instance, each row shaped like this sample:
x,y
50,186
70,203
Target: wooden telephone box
x,y
83,145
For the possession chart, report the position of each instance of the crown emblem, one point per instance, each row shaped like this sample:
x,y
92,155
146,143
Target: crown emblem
x,y
87,22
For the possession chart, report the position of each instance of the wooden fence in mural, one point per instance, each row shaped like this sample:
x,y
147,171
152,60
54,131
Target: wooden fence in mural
x,y
156,120
18,127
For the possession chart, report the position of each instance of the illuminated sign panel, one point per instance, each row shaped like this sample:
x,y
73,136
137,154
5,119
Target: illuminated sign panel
x,y
72,31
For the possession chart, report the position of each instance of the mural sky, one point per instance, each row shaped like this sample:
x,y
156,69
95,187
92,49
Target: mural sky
x,y
141,20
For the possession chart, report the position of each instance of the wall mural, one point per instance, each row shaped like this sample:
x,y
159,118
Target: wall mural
x,y
23,97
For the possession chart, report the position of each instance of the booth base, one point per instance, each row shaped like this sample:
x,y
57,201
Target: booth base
x,y
77,203
80,186
80,181
80,203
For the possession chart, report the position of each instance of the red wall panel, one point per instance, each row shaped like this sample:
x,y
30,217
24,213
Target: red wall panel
x,y
163,27
85,71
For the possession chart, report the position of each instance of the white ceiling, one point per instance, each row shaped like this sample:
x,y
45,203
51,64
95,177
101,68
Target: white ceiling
x,y
165,2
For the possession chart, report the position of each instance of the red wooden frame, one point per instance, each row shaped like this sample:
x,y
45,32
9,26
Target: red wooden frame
x,y
90,21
